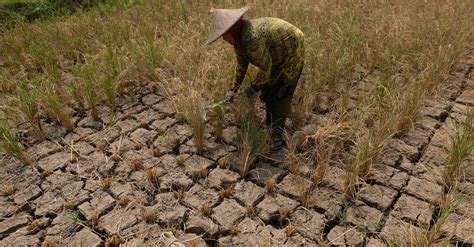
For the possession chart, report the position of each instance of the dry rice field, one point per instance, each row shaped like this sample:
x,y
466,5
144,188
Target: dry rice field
x,y
103,140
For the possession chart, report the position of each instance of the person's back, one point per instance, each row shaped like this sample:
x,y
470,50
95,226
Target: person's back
x,y
267,34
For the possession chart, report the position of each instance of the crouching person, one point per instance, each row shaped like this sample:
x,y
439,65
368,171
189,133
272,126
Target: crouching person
x,y
273,45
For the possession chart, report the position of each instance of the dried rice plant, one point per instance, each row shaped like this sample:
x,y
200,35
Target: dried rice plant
x,y
252,142
9,143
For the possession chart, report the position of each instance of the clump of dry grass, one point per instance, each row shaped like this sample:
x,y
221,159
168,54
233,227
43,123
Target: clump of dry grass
x,y
222,162
172,229
285,212
289,230
337,132
88,75
292,159
57,187
206,210
197,122
114,240
101,146
157,152
135,165
180,159
70,205
105,183
245,158
218,119
179,194
462,145
53,102
115,157
137,145
94,218
27,104
351,182
33,226
366,151
48,243
203,172
188,104
233,229
44,174
7,190
123,201
252,142
249,210
115,70
143,124
408,108
10,144
327,145
19,208
75,91
225,193
192,243
304,198
149,215
322,161
270,185
152,175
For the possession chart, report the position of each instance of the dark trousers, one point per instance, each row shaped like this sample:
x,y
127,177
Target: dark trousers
x,y
277,112
278,100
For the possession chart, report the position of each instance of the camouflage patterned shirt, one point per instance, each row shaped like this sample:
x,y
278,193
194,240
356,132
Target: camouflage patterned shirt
x,y
275,47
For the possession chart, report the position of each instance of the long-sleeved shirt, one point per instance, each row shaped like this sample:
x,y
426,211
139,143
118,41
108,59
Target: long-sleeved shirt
x,y
274,46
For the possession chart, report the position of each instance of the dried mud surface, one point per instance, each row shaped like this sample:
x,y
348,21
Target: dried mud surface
x,y
139,178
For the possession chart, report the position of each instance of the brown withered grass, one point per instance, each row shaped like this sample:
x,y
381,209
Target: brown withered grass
x,y
462,144
396,51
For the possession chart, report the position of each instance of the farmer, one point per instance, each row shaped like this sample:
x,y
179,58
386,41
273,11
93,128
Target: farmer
x,y
273,45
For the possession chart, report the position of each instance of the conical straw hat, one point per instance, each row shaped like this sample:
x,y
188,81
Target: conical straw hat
x,y
222,20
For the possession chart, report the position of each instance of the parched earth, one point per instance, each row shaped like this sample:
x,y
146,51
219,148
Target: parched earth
x,y
140,181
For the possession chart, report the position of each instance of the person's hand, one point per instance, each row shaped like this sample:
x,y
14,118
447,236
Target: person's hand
x,y
249,91
229,95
